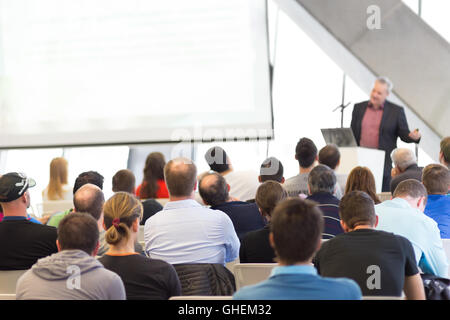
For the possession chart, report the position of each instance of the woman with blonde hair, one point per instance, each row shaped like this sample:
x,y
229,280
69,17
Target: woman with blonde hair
x,y
57,188
144,278
362,179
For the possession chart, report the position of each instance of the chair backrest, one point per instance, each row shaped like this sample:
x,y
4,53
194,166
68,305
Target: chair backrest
x,y
383,196
52,206
230,265
201,298
8,280
162,201
251,273
446,245
382,298
141,234
8,296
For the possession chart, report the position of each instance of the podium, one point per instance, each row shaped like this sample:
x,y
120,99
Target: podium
x,y
358,156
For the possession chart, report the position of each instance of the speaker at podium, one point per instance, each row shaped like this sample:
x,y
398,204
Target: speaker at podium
x,y
353,156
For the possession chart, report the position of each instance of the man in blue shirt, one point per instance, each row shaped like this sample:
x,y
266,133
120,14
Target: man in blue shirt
x,y
296,230
436,179
404,216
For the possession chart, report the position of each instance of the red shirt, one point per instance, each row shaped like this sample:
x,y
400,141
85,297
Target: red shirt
x,y
370,127
160,194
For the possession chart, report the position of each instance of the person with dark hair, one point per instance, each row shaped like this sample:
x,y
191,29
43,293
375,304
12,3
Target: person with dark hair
x,y
405,167
331,157
271,170
362,179
245,216
153,185
144,278
23,241
321,186
444,153
404,216
306,155
73,273
382,263
255,246
436,179
243,184
184,231
92,177
296,229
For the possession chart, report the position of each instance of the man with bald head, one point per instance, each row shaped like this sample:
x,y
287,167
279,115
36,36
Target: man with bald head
x,y
184,232
245,216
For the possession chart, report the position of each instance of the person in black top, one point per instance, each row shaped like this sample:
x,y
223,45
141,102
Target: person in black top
x,y
245,216
22,241
321,185
382,263
255,246
144,278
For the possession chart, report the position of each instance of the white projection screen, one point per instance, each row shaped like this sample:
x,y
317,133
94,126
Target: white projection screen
x,y
91,72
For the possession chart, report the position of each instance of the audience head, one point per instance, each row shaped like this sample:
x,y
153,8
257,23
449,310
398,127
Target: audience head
x,y
362,179
268,195
78,231
89,199
357,209
153,171
181,177
124,180
271,170
14,193
217,159
58,178
92,177
122,214
412,191
436,179
444,153
321,179
402,158
330,156
213,189
296,230
306,152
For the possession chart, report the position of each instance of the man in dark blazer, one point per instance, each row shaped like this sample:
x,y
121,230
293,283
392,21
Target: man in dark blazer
x,y
378,123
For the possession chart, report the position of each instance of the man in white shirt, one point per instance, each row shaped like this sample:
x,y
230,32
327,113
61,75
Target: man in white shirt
x,y
184,231
404,216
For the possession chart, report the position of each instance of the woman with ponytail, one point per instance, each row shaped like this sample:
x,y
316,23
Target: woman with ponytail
x,y
144,278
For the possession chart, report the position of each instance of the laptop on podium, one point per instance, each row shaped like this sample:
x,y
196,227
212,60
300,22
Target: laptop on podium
x,y
342,137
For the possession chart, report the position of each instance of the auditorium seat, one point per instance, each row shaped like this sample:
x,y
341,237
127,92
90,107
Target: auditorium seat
x,y
8,280
446,245
383,196
230,265
162,201
141,234
201,298
52,206
8,296
251,273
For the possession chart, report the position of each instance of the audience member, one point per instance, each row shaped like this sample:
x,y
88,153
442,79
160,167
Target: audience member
x,y
404,216
306,155
144,278
255,246
92,177
331,157
321,185
153,185
73,273
243,184
125,181
296,228
383,264
23,242
444,153
58,188
184,231
405,167
271,170
362,179
245,216
436,179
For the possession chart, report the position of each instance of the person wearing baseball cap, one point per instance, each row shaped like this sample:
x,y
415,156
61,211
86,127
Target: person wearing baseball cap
x,y
23,241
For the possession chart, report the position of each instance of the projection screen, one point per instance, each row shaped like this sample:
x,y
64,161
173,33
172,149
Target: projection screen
x,y
109,72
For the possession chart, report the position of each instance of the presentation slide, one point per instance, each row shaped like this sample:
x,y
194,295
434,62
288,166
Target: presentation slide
x,y
108,71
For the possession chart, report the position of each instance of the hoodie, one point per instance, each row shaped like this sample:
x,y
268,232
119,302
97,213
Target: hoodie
x,y
69,275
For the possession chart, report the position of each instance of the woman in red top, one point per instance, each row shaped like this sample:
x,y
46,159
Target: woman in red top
x,y
153,184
